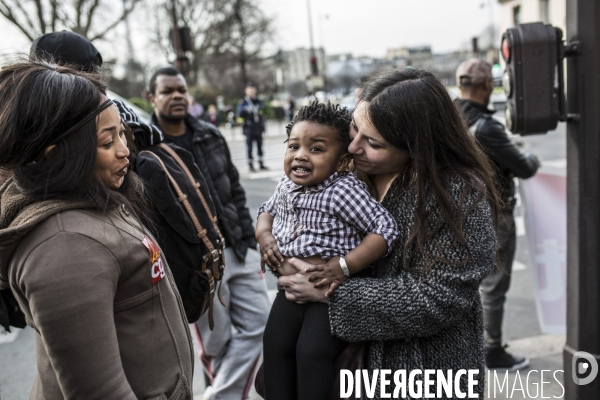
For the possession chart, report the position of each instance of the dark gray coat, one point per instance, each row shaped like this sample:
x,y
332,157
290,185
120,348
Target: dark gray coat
x,y
415,323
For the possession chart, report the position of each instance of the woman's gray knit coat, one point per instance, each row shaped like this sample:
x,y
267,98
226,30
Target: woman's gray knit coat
x,y
415,323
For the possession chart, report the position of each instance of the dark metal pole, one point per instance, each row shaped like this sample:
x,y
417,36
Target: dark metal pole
x,y
583,195
313,56
177,45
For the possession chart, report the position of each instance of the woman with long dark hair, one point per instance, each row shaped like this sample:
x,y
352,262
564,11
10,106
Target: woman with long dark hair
x,y
88,276
414,150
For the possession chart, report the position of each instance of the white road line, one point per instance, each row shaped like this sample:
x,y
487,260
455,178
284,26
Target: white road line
x,y
276,175
9,337
518,266
520,226
272,293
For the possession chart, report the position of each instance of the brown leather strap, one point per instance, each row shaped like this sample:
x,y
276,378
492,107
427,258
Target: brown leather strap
x,y
194,183
215,256
182,197
214,253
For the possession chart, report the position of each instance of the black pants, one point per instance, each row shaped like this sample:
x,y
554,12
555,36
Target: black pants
x,y
497,283
299,351
253,135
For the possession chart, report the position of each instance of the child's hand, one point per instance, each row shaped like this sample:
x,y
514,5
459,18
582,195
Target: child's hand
x,y
328,274
269,252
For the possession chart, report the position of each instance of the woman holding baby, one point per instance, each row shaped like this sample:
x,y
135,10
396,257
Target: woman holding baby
x,y
412,148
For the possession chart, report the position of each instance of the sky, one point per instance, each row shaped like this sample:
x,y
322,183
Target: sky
x,y
360,27
369,27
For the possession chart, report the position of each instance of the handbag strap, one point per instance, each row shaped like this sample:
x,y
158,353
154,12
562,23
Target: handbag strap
x,y
194,183
182,197
217,271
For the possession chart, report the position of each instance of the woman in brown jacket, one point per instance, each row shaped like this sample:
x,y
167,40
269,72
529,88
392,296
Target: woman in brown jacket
x,y
88,276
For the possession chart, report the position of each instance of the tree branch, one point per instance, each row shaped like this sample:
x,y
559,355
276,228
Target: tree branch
x,y
40,15
90,14
53,14
27,18
78,6
5,10
124,15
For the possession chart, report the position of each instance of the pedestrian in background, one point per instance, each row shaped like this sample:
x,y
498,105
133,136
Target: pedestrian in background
x,y
228,356
195,109
86,273
474,79
212,116
290,108
251,110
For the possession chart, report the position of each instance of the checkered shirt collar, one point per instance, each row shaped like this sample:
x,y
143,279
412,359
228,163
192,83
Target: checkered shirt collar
x,y
317,188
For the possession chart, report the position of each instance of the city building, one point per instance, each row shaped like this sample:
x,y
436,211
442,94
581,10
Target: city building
x,y
514,12
296,67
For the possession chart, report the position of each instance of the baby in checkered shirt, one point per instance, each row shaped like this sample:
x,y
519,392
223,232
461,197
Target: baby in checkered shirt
x,y
319,211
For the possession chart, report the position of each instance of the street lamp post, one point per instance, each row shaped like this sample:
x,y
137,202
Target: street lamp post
x,y
180,58
321,36
314,69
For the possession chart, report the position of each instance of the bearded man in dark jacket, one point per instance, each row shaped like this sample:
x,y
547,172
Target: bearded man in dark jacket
x,y
474,78
228,358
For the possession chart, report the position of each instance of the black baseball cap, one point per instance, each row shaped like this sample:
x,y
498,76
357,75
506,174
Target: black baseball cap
x,y
68,48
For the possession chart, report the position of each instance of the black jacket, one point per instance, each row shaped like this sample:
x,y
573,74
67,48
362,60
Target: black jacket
x,y
252,112
10,313
172,226
509,160
212,156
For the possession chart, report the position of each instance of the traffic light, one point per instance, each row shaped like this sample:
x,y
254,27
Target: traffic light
x,y
183,40
533,80
314,69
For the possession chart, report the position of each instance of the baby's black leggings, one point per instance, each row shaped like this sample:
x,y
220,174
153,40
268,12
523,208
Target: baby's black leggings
x,y
299,351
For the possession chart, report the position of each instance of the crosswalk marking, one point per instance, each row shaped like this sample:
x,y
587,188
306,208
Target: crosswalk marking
x,y
520,226
518,266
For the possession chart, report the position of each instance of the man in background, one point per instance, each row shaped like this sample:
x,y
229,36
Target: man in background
x,y
251,111
229,358
474,79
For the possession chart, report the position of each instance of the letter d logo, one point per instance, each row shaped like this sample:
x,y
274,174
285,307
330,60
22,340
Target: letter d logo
x,y
582,363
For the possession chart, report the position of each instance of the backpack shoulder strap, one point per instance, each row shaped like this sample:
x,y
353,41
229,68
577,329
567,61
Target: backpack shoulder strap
x,y
196,185
216,255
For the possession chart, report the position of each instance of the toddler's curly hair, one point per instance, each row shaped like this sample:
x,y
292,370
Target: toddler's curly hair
x,y
332,116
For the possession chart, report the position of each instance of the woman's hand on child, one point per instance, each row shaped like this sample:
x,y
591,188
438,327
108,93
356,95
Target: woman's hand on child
x,y
328,274
269,252
297,287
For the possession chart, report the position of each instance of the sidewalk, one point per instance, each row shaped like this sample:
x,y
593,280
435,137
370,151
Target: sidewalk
x,y
545,354
272,128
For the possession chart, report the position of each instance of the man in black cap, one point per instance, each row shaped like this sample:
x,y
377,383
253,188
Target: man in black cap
x,y
474,79
68,48
72,49
251,110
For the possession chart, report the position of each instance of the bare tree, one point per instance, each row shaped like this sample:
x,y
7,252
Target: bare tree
x,y
228,37
90,18
251,30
